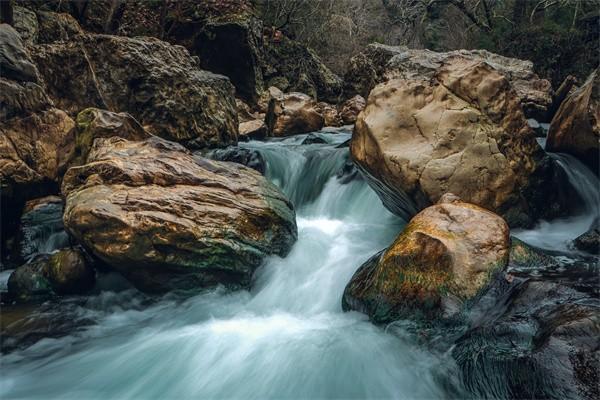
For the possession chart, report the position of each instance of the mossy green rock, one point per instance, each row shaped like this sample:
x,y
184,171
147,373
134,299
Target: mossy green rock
x,y
448,251
64,272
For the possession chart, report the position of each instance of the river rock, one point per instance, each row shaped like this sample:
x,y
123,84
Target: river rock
x,y
64,272
93,123
330,113
351,108
445,255
590,240
21,91
301,68
379,63
34,152
167,219
158,83
463,132
295,113
534,334
248,157
575,129
255,130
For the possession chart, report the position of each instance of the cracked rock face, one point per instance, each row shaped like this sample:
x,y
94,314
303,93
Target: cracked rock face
x,y
379,63
167,219
463,132
159,84
447,253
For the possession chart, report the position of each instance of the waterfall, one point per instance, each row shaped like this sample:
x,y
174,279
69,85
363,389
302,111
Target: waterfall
x,y
286,338
558,234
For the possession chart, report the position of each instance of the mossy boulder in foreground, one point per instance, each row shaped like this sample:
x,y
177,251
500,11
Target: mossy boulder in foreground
x,y
445,255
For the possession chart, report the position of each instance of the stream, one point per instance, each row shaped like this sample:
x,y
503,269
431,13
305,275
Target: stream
x,y
288,336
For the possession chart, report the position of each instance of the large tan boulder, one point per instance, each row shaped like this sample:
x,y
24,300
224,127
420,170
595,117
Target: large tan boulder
x,y
575,129
379,63
167,219
463,132
445,255
159,84
294,113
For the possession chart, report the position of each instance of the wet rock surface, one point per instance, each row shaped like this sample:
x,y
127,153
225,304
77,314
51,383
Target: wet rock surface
x,y
575,129
168,220
379,63
161,85
446,254
294,113
463,132
67,271
248,157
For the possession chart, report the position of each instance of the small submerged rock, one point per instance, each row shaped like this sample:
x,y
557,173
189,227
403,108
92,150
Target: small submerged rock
x,y
167,219
248,157
445,255
65,272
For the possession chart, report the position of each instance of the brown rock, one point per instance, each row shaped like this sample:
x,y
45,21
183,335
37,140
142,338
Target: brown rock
x,y
93,123
446,253
330,114
463,133
160,84
35,149
575,129
379,63
169,220
54,27
64,272
256,129
351,108
295,113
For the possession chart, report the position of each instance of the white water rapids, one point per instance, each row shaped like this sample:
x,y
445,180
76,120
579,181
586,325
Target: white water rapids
x,y
287,338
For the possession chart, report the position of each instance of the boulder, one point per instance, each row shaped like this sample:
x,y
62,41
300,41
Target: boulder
x,y
575,129
34,151
55,27
167,219
444,256
379,63
533,333
590,240
248,157
26,23
21,91
232,47
294,113
62,273
463,132
160,84
351,108
331,116
302,68
94,123
252,130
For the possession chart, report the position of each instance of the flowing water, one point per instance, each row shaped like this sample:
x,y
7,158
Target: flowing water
x,y
287,338
558,234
